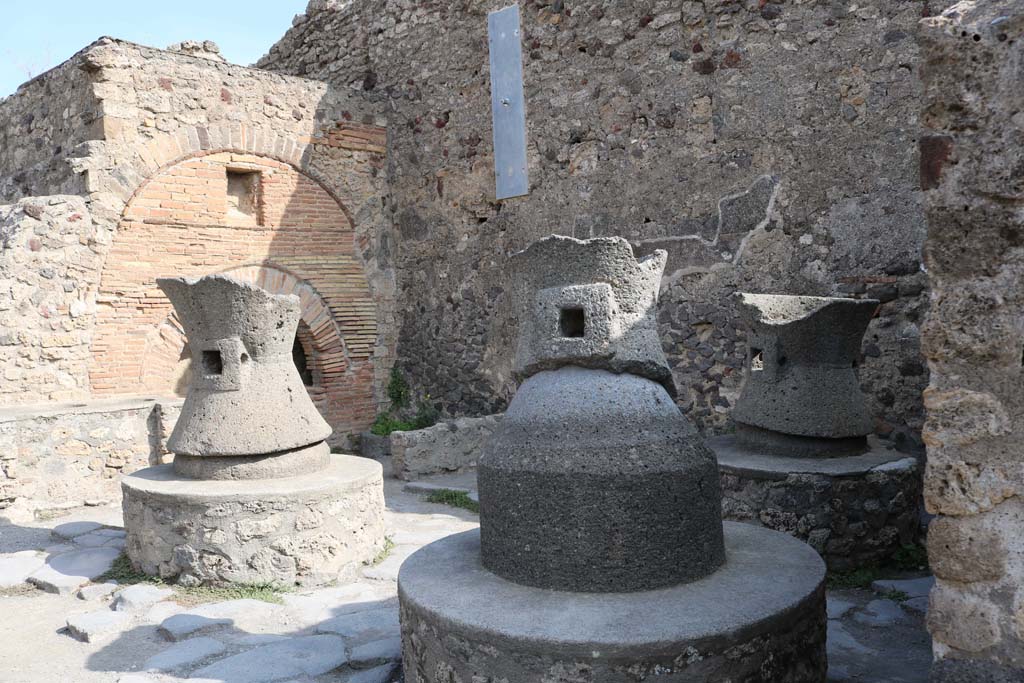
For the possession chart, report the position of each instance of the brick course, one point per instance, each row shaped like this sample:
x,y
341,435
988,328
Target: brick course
x,y
301,243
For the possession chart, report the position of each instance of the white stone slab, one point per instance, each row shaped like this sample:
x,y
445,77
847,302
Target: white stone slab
x,y
364,626
183,654
377,652
92,626
15,568
912,588
69,530
67,572
97,591
180,626
304,656
140,596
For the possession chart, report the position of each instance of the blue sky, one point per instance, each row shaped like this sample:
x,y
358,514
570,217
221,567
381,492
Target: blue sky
x,y
37,35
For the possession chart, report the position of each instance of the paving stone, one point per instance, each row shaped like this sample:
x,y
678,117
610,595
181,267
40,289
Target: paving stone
x,y
161,611
838,608
180,626
258,639
365,626
60,548
879,613
916,605
377,651
424,487
184,653
69,530
316,606
307,655
112,533
91,626
139,596
118,543
66,572
912,588
92,540
97,590
15,568
388,569
380,674
839,639
230,609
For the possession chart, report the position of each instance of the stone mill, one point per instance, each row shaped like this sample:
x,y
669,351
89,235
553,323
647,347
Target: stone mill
x,y
254,493
801,459
601,553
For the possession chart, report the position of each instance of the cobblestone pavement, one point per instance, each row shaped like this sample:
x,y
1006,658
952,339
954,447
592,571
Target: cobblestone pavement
x,y
60,625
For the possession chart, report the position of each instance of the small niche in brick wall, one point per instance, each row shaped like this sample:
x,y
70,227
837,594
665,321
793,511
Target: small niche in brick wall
x,y
243,195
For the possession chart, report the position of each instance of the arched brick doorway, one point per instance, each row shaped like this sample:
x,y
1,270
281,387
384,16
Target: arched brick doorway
x,y
257,219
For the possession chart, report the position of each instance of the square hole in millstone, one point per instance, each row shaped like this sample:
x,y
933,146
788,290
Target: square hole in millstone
x,y
756,360
212,364
572,322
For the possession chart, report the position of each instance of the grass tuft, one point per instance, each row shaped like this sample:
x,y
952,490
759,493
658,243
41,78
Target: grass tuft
x,y
912,557
853,578
458,499
124,574
389,545
197,595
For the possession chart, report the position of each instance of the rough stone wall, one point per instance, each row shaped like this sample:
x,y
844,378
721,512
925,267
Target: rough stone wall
x,y
40,127
50,261
973,164
68,455
130,113
768,146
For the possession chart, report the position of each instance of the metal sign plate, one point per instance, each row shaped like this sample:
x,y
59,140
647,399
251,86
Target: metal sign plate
x,y
508,110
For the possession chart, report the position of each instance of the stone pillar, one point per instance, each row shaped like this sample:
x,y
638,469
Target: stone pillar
x,y
601,553
254,493
801,460
972,166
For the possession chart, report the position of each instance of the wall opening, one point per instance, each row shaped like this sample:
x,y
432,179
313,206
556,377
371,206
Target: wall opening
x,y
302,362
212,363
243,199
305,357
572,322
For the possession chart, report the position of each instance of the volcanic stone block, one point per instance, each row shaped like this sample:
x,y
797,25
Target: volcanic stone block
x,y
761,617
309,529
595,481
801,376
246,397
588,303
855,510
254,494
601,554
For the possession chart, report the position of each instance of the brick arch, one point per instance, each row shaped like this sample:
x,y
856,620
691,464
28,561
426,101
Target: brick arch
x,y
301,241
165,361
148,160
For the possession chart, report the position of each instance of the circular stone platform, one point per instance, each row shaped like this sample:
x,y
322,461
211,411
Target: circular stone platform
x,y
308,529
761,617
855,510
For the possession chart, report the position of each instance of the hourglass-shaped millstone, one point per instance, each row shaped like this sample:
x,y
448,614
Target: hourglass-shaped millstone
x,y
594,480
801,373
246,400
